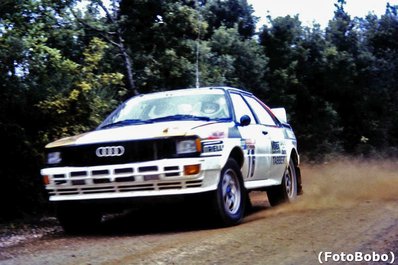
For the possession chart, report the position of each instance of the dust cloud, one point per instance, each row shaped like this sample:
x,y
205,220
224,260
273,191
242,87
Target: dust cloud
x,y
346,182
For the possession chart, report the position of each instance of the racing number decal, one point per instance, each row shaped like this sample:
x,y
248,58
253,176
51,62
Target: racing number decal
x,y
249,145
252,162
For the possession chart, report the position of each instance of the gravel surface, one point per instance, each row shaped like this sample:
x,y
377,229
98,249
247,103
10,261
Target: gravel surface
x,y
12,234
347,207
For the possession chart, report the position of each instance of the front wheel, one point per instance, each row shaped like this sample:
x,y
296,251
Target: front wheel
x,y
230,198
76,219
287,191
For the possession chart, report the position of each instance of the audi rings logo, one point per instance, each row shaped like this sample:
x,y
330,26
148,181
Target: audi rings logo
x,y
109,151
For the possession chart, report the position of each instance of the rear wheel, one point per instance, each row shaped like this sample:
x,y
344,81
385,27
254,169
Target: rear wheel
x,y
230,198
287,191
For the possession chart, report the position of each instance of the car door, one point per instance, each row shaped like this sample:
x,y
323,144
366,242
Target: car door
x,y
254,140
275,157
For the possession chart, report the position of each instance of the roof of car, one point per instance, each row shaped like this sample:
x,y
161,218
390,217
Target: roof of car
x,y
233,89
225,88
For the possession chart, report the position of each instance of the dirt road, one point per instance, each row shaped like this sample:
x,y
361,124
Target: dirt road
x,y
348,206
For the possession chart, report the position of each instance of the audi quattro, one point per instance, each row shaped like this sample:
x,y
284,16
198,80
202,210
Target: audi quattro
x,y
217,142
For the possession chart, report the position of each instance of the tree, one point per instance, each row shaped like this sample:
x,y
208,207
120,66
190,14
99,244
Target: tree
x,y
40,58
279,42
234,61
83,105
162,37
110,30
380,80
22,27
229,14
297,79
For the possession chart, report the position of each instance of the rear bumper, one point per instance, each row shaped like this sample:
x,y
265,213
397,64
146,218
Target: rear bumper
x,y
154,178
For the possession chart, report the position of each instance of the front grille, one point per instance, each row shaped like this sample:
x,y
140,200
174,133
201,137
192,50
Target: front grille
x,y
135,151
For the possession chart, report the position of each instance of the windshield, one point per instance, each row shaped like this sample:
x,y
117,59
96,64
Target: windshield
x,y
173,105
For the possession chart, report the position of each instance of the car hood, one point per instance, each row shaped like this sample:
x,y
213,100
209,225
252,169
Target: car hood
x,y
133,132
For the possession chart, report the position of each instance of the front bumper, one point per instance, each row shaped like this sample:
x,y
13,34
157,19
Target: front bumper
x,y
153,178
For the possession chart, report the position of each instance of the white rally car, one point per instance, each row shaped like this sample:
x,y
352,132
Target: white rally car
x,y
219,142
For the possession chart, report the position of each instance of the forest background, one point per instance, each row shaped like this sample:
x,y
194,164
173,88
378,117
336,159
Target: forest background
x,y
63,68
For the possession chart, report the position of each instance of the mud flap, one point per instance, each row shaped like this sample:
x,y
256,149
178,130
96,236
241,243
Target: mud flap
x,y
299,185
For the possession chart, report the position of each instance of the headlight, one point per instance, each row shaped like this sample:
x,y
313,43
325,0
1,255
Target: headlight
x,y
188,146
54,158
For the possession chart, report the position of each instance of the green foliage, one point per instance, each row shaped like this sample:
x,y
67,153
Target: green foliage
x,y
160,36
233,61
337,79
51,85
230,13
83,105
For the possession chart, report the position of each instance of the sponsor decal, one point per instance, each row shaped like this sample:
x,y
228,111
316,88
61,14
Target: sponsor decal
x,y
275,147
278,148
278,160
283,148
216,135
247,143
213,146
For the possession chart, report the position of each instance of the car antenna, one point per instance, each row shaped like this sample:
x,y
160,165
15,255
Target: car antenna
x,y
197,72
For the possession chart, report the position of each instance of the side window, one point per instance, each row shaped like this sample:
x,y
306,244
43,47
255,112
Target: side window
x,y
241,108
262,114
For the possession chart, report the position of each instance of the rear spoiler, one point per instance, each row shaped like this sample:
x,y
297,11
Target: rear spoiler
x,y
280,113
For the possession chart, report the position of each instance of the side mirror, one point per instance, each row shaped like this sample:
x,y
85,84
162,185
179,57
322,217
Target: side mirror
x,y
245,120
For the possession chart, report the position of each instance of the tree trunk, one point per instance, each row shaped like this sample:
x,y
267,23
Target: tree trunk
x,y
128,64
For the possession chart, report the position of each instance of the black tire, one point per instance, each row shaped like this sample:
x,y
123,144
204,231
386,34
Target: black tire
x,y
78,219
229,199
287,191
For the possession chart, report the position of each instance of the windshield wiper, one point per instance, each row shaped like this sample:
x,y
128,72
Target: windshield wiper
x,y
124,123
181,117
221,119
